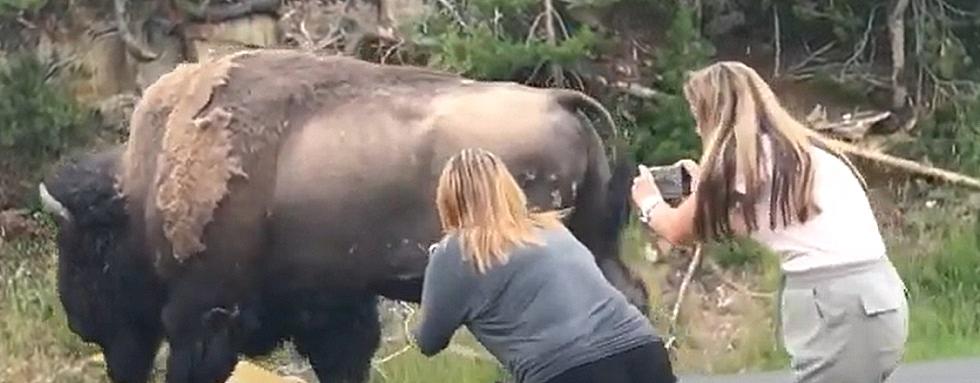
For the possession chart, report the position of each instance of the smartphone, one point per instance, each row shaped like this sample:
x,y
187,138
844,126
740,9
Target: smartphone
x,y
673,181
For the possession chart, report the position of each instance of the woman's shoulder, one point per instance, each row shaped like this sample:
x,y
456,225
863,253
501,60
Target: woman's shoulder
x,y
446,247
554,234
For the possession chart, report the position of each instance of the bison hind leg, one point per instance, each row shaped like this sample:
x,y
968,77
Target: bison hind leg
x,y
340,339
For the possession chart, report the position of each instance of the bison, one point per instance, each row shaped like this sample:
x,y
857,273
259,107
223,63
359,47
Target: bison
x,y
273,195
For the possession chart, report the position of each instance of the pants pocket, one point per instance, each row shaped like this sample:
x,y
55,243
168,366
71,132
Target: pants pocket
x,y
883,293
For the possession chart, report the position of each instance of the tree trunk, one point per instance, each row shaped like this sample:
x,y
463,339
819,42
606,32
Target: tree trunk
x,y
896,28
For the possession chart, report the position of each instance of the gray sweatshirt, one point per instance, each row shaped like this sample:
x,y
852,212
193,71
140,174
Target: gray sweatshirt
x,y
546,310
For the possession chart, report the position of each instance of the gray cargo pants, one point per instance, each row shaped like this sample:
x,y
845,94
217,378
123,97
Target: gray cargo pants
x,y
844,324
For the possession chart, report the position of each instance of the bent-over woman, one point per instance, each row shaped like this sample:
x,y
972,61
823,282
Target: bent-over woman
x,y
844,315
527,289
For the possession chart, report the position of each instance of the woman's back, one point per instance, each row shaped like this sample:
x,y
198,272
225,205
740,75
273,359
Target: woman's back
x,y
845,230
545,310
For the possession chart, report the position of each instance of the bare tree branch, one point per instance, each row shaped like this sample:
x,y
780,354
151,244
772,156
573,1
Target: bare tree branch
x,y
133,45
861,45
812,57
458,17
549,26
777,37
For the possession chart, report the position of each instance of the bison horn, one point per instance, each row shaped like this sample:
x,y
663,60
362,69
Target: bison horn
x,y
51,204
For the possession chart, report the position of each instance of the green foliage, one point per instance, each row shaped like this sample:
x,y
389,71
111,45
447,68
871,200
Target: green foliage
x,y
8,7
40,118
951,135
739,253
664,129
35,340
845,21
493,40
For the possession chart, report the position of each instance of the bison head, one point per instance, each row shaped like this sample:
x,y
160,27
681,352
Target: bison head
x,y
204,339
109,292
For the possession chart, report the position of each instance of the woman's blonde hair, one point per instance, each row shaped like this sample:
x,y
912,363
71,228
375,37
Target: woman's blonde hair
x,y
480,202
734,108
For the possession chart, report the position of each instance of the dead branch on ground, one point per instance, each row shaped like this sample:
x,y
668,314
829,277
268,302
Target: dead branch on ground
x,y
720,273
904,164
675,313
852,126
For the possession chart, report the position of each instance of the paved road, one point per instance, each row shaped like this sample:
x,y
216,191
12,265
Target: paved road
x,y
944,371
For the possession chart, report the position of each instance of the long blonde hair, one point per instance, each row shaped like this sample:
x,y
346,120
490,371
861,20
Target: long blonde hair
x,y
480,202
734,108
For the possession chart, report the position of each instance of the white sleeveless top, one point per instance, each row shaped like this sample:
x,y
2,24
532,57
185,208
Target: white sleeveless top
x,y
844,232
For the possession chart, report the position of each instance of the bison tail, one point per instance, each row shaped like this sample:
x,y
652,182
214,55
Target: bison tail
x,y
576,100
618,193
618,187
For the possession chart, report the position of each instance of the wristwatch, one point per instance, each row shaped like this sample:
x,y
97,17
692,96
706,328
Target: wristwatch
x,y
647,206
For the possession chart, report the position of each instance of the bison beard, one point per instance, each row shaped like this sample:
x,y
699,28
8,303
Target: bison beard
x,y
272,195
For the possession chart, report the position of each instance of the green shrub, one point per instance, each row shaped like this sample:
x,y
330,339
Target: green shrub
x,y
489,40
39,117
664,128
8,7
951,136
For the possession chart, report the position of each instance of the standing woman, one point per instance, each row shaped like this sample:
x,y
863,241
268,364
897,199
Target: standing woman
x,y
527,289
764,175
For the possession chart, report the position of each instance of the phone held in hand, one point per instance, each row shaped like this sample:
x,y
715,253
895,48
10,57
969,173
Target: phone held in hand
x,y
673,181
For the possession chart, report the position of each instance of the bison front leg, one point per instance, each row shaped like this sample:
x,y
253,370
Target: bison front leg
x,y
129,356
340,339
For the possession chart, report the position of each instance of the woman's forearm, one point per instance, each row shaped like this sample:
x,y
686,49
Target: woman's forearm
x,y
676,225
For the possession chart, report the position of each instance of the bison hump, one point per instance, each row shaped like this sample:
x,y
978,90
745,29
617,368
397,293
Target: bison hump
x,y
196,159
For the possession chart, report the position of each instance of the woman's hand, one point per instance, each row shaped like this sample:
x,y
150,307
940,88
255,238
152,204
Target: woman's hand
x,y
676,225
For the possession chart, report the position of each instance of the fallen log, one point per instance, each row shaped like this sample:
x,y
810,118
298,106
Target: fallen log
x,y
906,165
855,126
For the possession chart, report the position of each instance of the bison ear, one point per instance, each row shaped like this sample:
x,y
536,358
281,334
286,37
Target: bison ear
x,y
219,318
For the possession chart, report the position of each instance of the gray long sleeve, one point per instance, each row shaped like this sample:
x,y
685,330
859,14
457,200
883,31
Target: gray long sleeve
x,y
546,310
445,296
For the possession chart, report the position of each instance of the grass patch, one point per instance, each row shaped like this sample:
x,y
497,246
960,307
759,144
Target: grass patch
x,y
35,343
943,280
413,367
